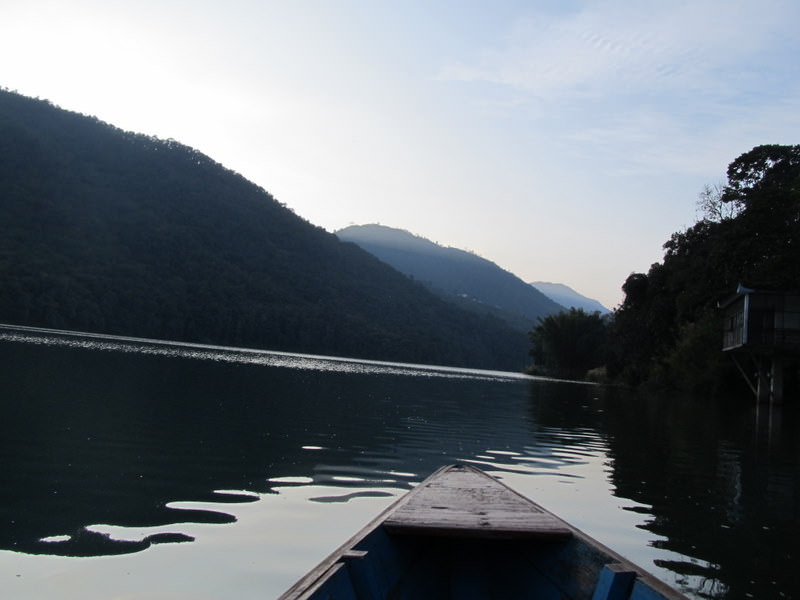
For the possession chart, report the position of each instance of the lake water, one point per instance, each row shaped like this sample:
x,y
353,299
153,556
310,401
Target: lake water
x,y
132,469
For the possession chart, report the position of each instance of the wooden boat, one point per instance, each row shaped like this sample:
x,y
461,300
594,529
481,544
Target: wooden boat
x,y
463,534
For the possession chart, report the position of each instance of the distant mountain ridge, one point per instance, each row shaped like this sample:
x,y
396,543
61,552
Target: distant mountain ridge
x,y
568,297
108,231
456,275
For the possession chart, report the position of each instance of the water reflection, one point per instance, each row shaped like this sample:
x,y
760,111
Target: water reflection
x,y
117,437
724,505
113,447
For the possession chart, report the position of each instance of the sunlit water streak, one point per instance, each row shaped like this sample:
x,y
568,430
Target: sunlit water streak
x,y
186,470
112,343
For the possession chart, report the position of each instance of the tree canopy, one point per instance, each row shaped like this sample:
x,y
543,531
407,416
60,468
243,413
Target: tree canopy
x,y
667,330
569,343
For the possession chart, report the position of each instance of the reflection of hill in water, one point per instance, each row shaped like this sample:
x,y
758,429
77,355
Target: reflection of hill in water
x,y
719,489
113,437
110,437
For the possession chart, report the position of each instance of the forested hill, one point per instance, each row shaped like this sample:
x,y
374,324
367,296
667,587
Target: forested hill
x,y
478,284
109,231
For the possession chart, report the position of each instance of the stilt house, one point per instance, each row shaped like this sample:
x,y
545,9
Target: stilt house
x,y
762,335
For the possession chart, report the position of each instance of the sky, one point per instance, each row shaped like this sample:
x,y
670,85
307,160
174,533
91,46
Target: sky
x,y
564,140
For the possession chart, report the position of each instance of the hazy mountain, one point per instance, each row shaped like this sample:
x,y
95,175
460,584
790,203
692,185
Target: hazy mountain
x,y
568,297
109,231
456,275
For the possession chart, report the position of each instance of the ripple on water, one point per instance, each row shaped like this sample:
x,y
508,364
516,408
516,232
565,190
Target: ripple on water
x,y
291,480
351,496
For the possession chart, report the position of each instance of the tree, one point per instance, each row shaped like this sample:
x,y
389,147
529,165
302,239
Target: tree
x,y
713,208
766,183
569,343
765,177
667,330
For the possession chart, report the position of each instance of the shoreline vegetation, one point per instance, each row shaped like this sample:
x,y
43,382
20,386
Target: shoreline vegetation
x,y
667,332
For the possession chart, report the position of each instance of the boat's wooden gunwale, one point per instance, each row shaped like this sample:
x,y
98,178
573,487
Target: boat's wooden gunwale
x,y
307,582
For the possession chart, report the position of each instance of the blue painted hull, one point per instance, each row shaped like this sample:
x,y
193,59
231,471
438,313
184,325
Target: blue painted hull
x,y
380,562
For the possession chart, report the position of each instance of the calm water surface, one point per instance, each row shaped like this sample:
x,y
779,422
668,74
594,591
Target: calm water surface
x,y
133,469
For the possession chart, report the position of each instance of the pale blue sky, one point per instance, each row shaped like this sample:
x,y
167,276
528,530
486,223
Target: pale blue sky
x,y
564,141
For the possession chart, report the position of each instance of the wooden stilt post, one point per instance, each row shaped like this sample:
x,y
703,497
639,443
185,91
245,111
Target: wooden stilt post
x,y
776,380
747,376
763,391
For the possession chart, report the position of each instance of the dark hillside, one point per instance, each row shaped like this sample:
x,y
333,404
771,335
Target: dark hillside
x,y
109,231
474,282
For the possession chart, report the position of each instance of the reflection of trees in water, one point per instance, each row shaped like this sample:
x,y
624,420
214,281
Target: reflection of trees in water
x,y
566,416
108,437
92,437
112,438
721,489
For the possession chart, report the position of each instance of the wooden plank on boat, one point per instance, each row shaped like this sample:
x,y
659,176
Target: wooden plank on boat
x,y
463,501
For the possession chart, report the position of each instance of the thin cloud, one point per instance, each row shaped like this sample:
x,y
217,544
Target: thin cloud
x,y
610,49
644,87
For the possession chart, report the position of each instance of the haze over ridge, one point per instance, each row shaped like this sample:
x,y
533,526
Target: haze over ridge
x,y
548,128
